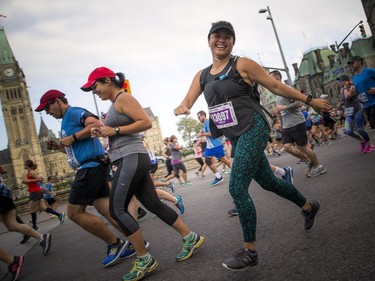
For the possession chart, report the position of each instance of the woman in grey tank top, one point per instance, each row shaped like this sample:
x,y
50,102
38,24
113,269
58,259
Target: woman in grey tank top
x,y
124,121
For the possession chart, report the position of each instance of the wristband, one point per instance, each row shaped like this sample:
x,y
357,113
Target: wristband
x,y
75,137
308,99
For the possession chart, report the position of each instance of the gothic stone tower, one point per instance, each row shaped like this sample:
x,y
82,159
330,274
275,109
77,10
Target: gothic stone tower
x,y
18,114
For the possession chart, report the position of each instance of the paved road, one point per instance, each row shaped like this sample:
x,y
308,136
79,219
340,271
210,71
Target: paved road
x,y
341,246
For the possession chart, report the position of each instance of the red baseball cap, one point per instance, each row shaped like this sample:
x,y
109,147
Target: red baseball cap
x,y
47,97
100,72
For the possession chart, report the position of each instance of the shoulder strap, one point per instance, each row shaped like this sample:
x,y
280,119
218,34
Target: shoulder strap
x,y
202,79
252,90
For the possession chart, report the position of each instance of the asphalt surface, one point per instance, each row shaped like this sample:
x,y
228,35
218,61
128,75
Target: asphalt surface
x,y
341,245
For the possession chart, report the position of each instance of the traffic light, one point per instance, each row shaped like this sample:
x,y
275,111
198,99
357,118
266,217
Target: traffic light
x,y
362,30
126,87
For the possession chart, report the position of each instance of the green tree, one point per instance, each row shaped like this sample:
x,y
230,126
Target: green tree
x,y
188,127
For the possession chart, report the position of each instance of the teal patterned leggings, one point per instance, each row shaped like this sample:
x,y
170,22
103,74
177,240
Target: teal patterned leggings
x,y
250,163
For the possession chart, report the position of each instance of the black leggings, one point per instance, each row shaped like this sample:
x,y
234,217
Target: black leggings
x,y
133,178
169,167
201,163
370,112
250,163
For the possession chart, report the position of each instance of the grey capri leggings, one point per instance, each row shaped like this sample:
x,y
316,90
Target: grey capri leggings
x,y
132,177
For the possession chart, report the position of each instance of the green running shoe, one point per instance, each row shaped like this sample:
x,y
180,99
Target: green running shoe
x,y
141,268
188,247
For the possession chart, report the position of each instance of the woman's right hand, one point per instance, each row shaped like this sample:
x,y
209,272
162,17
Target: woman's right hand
x,y
181,109
95,132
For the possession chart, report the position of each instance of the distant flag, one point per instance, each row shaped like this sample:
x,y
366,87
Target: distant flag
x,y
2,16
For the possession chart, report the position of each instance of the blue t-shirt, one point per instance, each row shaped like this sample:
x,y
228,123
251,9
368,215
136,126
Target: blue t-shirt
x,y
306,115
362,82
211,142
48,187
4,190
84,149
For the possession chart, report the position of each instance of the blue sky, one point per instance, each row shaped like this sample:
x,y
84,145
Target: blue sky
x,y
159,45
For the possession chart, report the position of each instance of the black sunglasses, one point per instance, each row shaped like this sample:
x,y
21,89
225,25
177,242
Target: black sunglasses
x,y
46,108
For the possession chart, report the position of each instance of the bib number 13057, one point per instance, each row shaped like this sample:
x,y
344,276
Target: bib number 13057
x,y
223,115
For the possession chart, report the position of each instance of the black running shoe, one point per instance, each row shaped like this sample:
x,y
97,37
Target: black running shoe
x,y
25,239
311,215
45,243
241,260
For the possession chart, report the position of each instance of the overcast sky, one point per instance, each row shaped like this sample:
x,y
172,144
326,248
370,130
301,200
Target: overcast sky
x,y
159,44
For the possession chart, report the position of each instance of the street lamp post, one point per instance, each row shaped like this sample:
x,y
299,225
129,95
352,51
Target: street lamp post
x,y
338,45
269,17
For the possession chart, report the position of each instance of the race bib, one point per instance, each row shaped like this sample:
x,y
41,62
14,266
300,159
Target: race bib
x,y
349,111
363,97
223,115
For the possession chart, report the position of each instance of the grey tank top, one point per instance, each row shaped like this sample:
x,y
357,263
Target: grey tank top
x,y
122,145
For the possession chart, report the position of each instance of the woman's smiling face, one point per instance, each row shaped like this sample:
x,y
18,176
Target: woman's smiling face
x,y
221,42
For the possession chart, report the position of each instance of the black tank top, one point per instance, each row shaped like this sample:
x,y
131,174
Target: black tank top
x,y
223,87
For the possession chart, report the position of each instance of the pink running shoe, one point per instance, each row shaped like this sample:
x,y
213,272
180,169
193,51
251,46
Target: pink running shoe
x,y
363,146
369,149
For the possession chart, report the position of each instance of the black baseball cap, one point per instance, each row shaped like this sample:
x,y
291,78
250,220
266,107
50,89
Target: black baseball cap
x,y
343,78
222,25
276,72
355,58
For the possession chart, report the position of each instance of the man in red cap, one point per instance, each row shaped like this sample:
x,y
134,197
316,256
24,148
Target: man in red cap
x,y
85,155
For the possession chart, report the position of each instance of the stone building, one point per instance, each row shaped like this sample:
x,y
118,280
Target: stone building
x,y
320,68
369,8
23,141
153,135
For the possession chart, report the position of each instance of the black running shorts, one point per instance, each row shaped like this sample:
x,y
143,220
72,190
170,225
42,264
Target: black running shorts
x,y
89,184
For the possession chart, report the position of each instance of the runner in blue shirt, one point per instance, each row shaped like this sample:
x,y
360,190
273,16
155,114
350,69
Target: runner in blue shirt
x,y
364,82
214,149
86,156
